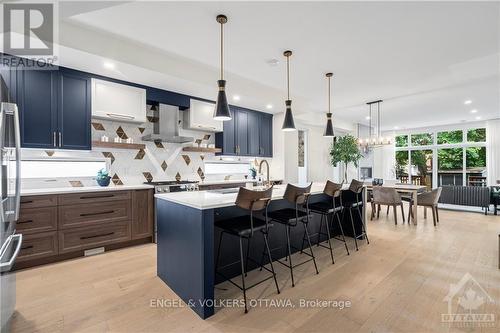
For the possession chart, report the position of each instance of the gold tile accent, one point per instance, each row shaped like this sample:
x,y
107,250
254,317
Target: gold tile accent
x,y
187,159
76,183
178,176
98,126
159,145
201,173
206,137
109,155
148,176
140,154
202,157
49,152
164,166
141,129
116,180
121,133
198,142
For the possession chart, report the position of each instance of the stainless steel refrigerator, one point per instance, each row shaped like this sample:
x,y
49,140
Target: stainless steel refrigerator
x,y
10,242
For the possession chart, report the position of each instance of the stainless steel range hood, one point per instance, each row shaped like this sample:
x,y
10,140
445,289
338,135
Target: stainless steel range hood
x,y
166,129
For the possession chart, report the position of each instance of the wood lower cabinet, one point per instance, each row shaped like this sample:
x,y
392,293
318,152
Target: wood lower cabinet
x,y
57,227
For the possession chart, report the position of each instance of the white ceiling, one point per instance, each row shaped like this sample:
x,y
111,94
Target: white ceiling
x,y
424,59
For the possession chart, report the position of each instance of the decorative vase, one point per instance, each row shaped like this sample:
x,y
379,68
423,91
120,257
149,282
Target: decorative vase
x,y
103,181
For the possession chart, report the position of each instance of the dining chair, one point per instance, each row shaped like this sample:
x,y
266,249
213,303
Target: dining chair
x,y
387,196
428,199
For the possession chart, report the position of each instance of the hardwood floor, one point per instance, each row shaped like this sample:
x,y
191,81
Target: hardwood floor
x,y
395,284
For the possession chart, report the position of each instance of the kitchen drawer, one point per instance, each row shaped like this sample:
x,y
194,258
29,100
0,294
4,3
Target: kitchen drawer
x,y
35,201
92,197
94,213
91,237
33,220
38,245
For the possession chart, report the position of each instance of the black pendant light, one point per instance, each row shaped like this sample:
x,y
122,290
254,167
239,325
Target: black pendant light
x,y
288,123
222,111
329,126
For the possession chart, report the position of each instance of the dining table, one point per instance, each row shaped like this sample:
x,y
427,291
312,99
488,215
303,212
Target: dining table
x,y
407,189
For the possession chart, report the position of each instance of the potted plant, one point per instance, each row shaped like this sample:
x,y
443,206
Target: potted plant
x,y
103,177
345,150
253,172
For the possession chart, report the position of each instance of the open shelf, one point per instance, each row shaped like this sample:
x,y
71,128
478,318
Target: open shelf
x,y
202,150
118,145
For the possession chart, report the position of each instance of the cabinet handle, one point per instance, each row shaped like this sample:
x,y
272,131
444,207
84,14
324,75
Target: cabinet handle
x,y
98,213
27,247
97,196
54,139
27,221
60,139
27,201
95,236
119,116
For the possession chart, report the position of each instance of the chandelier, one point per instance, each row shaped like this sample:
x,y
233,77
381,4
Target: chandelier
x,y
375,138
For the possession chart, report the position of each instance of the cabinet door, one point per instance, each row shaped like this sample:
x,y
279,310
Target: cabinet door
x,y
266,135
37,103
9,77
229,136
254,145
241,118
74,111
142,214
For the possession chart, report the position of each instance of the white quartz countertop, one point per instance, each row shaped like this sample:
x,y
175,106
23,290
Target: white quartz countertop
x,y
231,181
210,199
62,190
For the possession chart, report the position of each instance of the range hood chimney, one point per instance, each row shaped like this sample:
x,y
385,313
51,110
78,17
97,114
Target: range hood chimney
x,y
166,129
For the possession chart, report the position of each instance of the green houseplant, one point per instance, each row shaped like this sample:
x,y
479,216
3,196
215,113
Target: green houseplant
x,y
345,150
103,177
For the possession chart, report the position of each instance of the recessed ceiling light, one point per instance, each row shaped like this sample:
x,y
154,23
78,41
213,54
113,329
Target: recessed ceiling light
x,y
269,106
473,111
467,102
367,118
273,62
108,65
478,118
396,127
236,98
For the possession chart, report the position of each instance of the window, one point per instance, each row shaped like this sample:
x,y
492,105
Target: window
x,y
450,166
423,139
476,135
450,137
402,141
60,168
442,157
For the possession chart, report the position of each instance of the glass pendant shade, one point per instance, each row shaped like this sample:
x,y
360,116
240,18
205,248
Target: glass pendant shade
x,y
329,127
288,123
222,111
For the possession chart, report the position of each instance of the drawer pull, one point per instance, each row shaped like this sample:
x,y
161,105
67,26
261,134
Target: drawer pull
x,y
98,213
27,221
27,201
27,247
97,196
95,236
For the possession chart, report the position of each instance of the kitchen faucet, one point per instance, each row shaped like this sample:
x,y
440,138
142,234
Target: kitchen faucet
x,y
268,182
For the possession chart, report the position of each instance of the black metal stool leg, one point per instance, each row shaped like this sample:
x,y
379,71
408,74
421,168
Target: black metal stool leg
x,y
289,252
342,232
243,273
329,239
363,229
248,253
320,229
354,230
310,248
271,261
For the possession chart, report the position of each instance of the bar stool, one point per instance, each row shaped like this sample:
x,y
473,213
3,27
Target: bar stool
x,y
290,217
328,211
352,200
244,227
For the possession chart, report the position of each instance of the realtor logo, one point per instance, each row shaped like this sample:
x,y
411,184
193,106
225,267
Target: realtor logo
x,y
28,29
467,305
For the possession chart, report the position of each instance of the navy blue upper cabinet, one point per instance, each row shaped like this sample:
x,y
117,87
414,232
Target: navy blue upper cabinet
x,y
54,109
37,103
74,111
266,135
249,133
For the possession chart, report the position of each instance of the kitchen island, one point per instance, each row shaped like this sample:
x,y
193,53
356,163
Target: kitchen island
x,y
187,240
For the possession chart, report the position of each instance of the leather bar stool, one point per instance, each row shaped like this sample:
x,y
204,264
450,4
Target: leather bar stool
x,y
245,227
352,200
329,210
291,217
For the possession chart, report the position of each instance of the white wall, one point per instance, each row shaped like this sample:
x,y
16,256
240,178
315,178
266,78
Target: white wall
x,y
493,151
